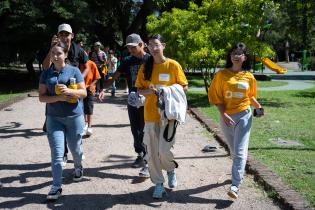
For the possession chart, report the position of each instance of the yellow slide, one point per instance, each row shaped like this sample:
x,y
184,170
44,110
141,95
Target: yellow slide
x,y
271,65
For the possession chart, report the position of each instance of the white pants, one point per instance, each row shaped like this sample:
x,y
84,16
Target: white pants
x,y
159,155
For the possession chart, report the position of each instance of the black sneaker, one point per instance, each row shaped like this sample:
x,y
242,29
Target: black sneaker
x,y
78,174
54,193
138,162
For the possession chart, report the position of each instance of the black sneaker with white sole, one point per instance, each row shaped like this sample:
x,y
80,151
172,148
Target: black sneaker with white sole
x,y
78,174
54,193
139,162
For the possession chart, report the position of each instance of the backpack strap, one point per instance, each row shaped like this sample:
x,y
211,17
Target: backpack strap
x,y
165,133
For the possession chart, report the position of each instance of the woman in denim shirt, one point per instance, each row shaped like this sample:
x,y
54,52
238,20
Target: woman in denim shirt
x,y
64,114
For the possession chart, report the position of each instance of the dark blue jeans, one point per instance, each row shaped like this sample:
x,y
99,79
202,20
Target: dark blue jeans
x,y
136,118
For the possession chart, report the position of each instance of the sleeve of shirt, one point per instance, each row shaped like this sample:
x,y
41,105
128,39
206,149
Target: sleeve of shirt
x,y
78,75
96,74
215,92
140,82
123,66
43,77
253,87
83,56
181,78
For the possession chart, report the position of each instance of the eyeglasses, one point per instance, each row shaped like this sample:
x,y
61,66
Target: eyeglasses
x,y
152,47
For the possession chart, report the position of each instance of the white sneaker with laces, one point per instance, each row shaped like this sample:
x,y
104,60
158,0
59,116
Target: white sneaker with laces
x,y
85,129
89,131
144,172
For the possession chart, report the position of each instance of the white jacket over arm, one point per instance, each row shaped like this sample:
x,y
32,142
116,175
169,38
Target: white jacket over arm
x,y
175,103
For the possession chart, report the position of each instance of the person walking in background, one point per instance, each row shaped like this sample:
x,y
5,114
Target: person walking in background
x,y
112,67
64,114
233,90
130,66
99,57
76,56
157,72
90,82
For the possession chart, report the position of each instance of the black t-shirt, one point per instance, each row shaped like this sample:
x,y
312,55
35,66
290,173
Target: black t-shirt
x,y
130,66
76,55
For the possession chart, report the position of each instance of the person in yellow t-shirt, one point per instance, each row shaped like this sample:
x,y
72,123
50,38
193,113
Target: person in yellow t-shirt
x,y
233,90
156,72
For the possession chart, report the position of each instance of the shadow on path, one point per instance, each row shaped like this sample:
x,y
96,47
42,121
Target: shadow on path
x,y
13,130
21,196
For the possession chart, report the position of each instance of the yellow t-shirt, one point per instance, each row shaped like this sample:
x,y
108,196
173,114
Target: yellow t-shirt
x,y
233,90
165,74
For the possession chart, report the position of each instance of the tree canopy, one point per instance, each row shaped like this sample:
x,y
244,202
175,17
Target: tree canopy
x,y
197,32
199,36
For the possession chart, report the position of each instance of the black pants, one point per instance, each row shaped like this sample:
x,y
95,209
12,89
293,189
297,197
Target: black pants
x,y
136,118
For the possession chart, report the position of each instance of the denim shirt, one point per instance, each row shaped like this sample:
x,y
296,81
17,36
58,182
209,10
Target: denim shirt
x,y
50,78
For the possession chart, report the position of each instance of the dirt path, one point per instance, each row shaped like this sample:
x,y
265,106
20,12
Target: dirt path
x,y
110,182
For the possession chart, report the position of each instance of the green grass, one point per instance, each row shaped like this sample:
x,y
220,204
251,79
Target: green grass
x,y
290,115
8,96
197,81
271,83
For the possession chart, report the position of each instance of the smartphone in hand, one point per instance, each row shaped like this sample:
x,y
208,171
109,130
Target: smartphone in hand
x,y
258,112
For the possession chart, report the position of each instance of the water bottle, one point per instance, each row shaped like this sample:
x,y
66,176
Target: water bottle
x,y
73,85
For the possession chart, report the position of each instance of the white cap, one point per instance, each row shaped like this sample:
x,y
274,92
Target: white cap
x,y
65,27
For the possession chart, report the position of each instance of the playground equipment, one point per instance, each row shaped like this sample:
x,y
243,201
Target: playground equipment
x,y
271,65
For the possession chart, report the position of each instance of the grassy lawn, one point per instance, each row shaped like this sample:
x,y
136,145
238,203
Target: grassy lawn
x,y
197,81
290,115
8,96
14,83
271,83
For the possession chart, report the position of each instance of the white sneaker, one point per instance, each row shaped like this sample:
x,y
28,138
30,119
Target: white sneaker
x,y
85,129
89,131
144,172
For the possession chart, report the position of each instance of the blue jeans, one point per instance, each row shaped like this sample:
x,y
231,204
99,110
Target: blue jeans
x,y
57,129
238,138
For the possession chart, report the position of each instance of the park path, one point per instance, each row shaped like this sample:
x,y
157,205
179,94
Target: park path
x,y
109,181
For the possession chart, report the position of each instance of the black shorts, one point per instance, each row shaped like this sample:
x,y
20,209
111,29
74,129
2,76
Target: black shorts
x,y
88,103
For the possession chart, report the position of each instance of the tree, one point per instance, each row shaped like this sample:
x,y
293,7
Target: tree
x,y
199,36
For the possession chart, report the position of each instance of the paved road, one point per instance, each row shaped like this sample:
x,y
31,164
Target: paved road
x,y
292,85
109,182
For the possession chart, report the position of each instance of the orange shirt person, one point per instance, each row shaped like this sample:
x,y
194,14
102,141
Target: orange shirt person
x,y
90,82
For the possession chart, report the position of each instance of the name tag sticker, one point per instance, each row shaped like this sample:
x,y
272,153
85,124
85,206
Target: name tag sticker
x,y
243,85
164,77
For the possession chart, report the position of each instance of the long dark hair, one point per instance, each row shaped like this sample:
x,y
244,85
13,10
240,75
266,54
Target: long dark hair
x,y
239,48
148,66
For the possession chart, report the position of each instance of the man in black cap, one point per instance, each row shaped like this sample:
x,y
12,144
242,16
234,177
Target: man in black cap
x,y
130,67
